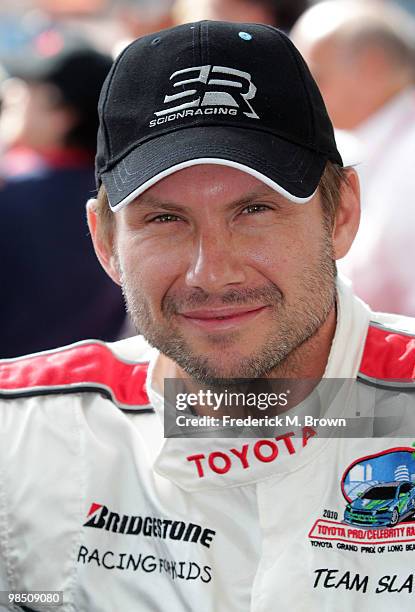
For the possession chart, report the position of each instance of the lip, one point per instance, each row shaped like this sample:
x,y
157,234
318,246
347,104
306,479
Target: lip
x,y
221,319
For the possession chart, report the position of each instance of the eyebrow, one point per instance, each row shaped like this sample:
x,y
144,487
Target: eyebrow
x,y
149,203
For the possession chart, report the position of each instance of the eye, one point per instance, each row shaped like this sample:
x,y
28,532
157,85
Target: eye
x,y
255,208
164,218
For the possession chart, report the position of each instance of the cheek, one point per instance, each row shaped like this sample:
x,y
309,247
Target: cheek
x,y
290,261
277,253
147,269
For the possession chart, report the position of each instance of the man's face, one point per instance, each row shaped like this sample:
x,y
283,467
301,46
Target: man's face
x,y
222,274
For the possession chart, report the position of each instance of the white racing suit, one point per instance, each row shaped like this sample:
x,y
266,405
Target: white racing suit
x,y
95,502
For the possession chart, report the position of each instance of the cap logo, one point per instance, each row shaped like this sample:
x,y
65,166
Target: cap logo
x,y
204,87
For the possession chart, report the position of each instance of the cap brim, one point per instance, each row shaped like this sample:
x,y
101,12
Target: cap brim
x,y
291,170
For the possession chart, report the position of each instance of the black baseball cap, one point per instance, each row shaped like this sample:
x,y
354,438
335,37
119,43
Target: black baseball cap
x,y
236,94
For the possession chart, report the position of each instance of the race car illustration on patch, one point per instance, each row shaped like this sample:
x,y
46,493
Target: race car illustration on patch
x,y
385,503
379,489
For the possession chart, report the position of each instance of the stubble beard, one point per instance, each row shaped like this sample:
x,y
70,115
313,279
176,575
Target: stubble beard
x,y
292,325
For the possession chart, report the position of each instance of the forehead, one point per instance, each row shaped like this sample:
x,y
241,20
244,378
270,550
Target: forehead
x,y
207,181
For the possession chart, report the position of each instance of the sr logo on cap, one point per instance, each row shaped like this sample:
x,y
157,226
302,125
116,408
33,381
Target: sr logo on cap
x,y
210,86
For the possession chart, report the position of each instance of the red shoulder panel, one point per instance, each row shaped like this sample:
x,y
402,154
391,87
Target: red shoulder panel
x,y
83,364
388,354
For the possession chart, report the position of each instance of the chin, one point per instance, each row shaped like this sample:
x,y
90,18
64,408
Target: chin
x,y
213,370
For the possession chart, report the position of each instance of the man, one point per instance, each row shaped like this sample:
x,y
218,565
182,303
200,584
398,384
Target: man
x,y
362,56
54,291
222,206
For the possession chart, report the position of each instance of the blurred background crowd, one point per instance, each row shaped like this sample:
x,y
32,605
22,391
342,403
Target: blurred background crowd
x,y
54,56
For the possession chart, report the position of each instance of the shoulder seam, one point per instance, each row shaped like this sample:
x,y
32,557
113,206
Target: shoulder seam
x,y
73,389
388,384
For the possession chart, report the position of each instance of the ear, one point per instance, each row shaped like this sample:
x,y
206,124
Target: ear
x,y
347,216
103,242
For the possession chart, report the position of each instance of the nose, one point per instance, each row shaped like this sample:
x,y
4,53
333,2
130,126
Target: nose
x,y
216,262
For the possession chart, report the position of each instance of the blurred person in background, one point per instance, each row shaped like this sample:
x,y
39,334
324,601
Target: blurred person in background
x,y
48,110
362,56
141,17
279,13
53,289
